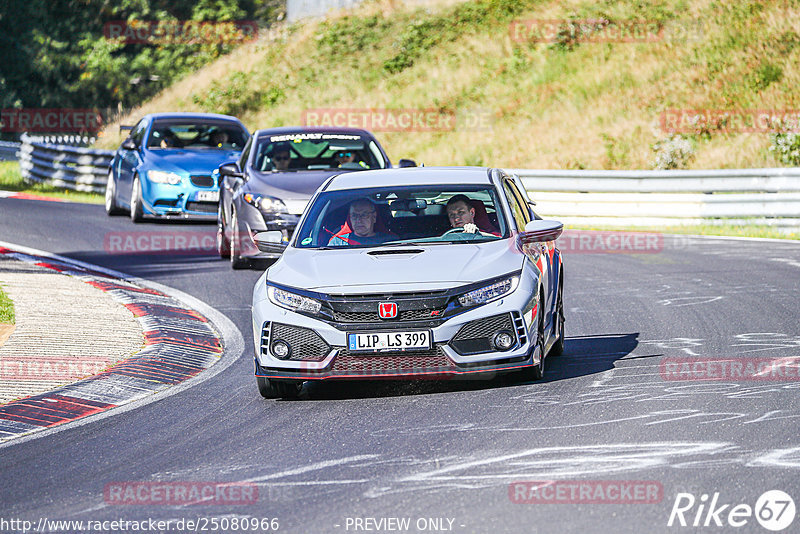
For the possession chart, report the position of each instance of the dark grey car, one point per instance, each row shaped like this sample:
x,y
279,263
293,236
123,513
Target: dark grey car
x,y
266,190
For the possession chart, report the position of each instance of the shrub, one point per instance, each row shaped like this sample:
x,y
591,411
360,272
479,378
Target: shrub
x,y
786,147
673,152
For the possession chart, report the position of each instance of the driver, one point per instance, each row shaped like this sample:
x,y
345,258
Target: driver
x,y
280,156
461,213
359,229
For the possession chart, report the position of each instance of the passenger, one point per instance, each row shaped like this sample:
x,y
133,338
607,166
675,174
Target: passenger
x,y
346,159
218,138
360,227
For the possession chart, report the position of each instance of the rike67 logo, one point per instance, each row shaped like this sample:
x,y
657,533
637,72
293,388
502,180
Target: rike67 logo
x,y
774,510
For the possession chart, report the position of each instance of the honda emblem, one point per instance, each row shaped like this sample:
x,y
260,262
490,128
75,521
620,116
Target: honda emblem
x,y
387,310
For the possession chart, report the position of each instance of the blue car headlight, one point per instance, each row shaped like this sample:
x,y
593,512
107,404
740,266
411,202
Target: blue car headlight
x,y
292,301
489,293
163,177
265,203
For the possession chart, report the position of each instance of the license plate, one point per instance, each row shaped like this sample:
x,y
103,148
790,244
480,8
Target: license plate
x,y
389,341
208,196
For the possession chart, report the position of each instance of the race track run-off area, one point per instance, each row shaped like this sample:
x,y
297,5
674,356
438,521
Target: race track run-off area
x,y
673,409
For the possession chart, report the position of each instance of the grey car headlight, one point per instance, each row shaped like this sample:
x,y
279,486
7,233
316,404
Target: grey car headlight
x,y
162,177
292,301
265,203
489,293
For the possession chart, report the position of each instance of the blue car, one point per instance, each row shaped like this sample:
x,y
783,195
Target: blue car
x,y
166,168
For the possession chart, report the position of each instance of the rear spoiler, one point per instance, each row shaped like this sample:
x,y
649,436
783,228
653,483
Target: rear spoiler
x,y
123,127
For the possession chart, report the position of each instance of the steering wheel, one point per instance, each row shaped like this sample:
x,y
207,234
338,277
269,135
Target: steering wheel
x,y
459,230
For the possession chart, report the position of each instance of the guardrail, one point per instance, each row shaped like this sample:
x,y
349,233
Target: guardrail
x,y
68,166
8,151
657,198
613,198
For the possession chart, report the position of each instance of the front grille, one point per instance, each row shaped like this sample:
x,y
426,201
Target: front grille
x,y
305,344
205,207
430,361
475,337
202,181
372,317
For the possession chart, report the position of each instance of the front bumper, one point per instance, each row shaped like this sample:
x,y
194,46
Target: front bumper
x,y
451,356
179,202
252,221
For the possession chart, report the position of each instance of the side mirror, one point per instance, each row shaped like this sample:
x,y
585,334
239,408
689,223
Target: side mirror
x,y
541,230
406,163
129,144
230,169
271,241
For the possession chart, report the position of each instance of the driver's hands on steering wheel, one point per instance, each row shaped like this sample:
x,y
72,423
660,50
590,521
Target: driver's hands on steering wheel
x,y
470,228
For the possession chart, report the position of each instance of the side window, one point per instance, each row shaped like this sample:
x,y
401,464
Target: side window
x,y
137,134
245,154
517,210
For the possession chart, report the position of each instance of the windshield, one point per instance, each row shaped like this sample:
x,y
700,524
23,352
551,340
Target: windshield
x,y
317,151
224,135
427,214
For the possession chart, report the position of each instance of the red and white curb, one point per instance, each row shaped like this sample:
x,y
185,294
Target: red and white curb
x,y
183,338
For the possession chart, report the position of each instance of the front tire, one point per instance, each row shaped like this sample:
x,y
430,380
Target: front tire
x,y
278,389
536,372
111,194
223,244
137,210
558,347
237,262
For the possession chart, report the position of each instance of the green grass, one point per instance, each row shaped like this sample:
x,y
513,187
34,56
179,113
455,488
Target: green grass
x,y
6,309
702,229
11,180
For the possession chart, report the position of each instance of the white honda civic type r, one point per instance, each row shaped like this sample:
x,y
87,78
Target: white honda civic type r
x,y
410,273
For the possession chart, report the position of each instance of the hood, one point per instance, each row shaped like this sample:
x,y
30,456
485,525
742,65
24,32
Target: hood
x,y
356,271
292,185
200,161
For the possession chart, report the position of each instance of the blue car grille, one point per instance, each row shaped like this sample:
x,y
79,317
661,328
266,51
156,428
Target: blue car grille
x,y
202,180
205,207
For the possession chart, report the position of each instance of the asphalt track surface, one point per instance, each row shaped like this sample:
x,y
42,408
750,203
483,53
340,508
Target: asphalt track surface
x,y
449,450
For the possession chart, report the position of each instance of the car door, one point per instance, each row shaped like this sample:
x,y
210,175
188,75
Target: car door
x,y
129,162
538,254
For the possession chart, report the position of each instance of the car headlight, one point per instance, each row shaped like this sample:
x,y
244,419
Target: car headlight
x,y
162,177
265,203
292,301
489,293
